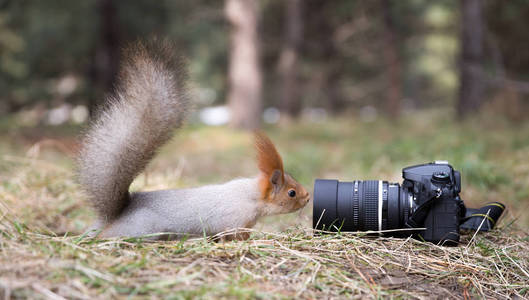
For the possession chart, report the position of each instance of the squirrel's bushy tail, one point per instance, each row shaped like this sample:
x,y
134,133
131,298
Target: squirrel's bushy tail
x,y
149,103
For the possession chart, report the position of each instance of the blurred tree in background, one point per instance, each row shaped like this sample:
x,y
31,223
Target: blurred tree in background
x,y
346,56
244,72
288,59
471,85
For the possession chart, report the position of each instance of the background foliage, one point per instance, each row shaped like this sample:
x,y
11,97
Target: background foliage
x,y
341,53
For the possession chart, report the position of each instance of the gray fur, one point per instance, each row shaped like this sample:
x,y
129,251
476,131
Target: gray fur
x,y
196,211
148,105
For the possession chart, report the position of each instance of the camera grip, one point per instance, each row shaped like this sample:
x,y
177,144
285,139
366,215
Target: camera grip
x,y
442,222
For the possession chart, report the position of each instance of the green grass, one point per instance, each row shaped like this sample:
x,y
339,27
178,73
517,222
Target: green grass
x,y
43,215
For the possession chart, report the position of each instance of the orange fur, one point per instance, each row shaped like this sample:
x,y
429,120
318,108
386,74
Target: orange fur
x,y
268,160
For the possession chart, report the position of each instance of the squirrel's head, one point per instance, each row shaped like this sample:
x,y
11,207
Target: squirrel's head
x,y
280,192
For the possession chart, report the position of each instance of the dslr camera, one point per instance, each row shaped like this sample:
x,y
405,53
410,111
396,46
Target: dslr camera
x,y
427,206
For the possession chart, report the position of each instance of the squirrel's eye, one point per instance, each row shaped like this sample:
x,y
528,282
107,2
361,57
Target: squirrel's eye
x,y
292,193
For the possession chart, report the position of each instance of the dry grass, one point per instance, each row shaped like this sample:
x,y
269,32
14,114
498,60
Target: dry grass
x,y
44,254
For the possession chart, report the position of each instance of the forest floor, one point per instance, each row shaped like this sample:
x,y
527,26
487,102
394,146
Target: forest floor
x,y
44,252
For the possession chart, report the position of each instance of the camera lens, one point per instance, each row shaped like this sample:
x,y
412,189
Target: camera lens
x,y
370,205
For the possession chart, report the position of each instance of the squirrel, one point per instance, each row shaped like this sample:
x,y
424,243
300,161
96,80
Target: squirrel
x,y
148,104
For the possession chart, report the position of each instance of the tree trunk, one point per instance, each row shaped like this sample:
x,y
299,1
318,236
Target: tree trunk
x,y
471,81
105,64
288,61
319,21
244,74
392,61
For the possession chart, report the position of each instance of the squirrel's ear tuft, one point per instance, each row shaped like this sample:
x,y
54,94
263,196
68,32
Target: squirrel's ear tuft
x,y
268,160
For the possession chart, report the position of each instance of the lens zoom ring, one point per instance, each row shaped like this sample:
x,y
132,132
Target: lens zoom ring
x,y
355,205
371,205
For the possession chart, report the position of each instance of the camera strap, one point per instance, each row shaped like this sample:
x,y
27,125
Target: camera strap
x,y
421,212
483,218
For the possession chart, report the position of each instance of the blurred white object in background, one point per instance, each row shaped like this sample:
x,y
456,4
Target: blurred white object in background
x,y
79,114
271,115
59,115
215,115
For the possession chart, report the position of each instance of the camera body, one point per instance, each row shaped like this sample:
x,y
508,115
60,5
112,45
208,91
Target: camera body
x,y
434,188
427,205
